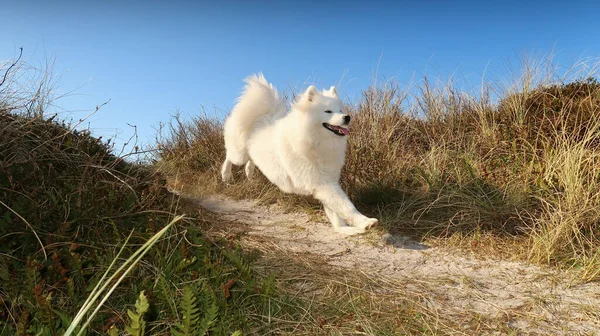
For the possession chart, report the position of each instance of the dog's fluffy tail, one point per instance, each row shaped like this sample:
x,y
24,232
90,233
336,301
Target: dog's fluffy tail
x,y
259,98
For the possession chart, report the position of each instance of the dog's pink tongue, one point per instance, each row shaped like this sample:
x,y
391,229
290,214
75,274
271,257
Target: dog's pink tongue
x,y
344,130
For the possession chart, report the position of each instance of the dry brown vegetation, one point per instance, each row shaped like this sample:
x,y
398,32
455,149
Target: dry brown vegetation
x,y
510,168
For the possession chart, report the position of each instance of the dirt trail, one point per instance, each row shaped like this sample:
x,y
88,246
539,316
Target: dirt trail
x,y
538,300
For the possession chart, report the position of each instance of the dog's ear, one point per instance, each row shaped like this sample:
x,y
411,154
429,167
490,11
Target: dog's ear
x,y
330,93
310,93
333,92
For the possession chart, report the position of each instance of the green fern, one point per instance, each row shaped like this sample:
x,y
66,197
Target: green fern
x,y
113,331
209,319
137,325
163,288
236,258
185,263
188,325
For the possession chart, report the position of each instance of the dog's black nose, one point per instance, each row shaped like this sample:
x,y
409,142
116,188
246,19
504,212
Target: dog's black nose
x,y
346,119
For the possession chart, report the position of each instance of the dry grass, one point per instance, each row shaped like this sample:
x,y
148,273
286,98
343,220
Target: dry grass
x,y
343,302
515,163
191,154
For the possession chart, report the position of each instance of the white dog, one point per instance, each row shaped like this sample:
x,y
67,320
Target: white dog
x,y
301,151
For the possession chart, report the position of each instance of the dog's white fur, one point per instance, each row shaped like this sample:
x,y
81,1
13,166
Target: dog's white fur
x,y
293,149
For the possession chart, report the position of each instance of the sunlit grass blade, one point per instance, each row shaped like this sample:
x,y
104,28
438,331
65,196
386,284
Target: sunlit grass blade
x,y
121,272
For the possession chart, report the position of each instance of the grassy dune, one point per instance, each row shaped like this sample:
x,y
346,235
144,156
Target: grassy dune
x,y
72,212
69,208
504,169
510,168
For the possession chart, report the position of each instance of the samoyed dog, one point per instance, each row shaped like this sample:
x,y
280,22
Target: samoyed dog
x,y
301,151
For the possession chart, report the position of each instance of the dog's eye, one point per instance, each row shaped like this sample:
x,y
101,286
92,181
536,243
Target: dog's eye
x,y
328,111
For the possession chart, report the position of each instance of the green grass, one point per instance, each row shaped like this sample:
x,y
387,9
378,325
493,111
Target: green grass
x,y
68,208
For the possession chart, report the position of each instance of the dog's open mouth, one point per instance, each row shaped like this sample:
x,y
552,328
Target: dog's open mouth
x,y
338,130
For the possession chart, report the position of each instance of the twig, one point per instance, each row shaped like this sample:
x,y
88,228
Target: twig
x,y
139,152
12,66
134,135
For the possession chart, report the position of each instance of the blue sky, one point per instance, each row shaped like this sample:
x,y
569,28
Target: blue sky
x,y
151,58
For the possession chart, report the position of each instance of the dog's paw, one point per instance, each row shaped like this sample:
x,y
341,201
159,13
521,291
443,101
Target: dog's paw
x,y
349,230
366,223
226,176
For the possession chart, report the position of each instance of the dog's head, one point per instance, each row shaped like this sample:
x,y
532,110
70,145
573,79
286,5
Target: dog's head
x,y
325,109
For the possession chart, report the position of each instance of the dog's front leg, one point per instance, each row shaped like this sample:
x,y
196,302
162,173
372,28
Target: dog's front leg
x,y
334,198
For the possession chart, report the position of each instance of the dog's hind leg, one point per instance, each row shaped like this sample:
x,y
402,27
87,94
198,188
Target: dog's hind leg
x,y
339,225
226,171
250,169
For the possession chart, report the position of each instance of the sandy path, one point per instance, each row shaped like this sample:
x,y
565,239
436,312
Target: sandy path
x,y
538,301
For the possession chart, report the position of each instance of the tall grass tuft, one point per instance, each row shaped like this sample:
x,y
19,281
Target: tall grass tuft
x,y
516,159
